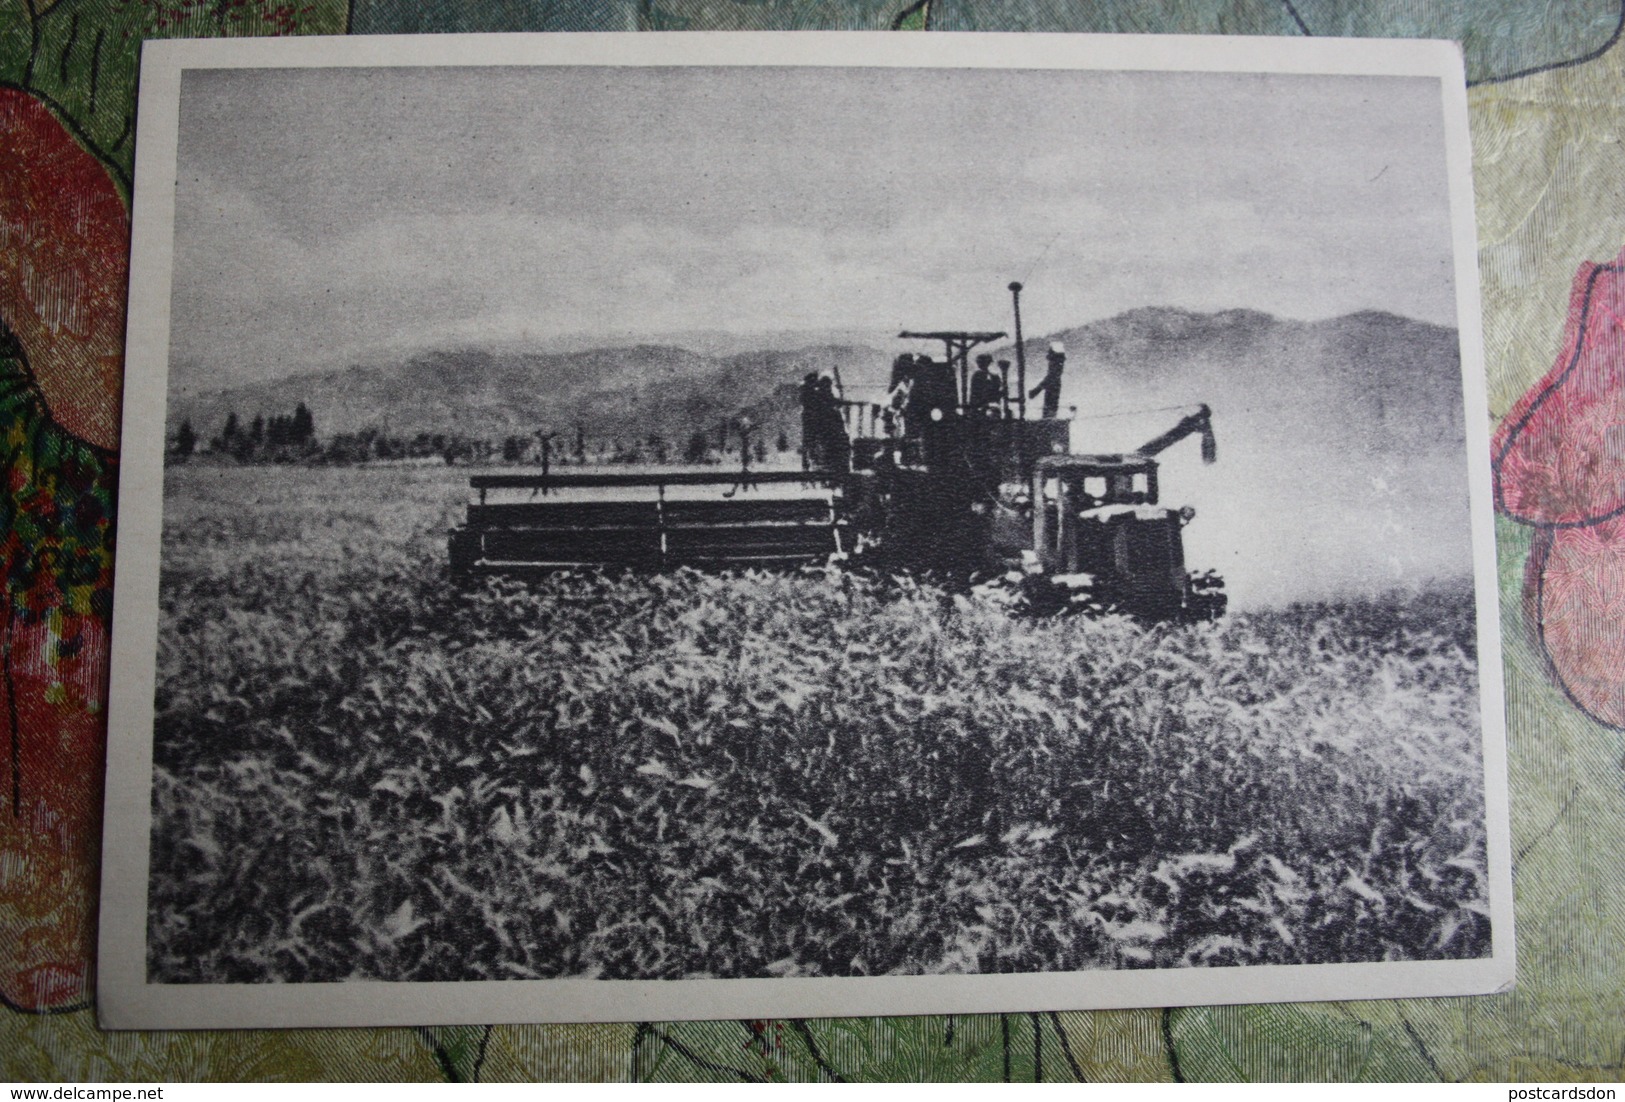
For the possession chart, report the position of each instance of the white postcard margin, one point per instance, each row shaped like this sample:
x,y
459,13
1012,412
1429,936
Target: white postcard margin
x,y
125,999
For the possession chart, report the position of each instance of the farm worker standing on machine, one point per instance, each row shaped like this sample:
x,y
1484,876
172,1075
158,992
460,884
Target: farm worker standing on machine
x,y
832,435
902,383
812,451
1050,388
985,394
824,442
984,388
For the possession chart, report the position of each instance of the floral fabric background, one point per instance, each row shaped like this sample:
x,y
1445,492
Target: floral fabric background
x,y
1547,119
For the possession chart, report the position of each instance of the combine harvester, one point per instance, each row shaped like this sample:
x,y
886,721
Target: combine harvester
x,y
950,478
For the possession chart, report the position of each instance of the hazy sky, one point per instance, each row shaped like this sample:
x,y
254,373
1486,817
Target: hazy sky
x,y
332,216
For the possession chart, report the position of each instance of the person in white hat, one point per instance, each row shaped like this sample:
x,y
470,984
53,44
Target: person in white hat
x,y
1050,387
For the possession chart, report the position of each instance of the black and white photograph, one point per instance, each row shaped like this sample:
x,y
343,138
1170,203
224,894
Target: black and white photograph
x,y
720,525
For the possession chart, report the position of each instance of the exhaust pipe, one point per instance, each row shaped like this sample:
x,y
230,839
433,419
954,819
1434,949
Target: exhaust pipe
x,y
1021,356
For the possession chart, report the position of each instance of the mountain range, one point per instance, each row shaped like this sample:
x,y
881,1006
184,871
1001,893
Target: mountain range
x,y
620,393
1384,374
1341,441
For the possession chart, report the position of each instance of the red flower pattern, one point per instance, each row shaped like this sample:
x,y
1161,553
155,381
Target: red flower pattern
x,y
64,233
1559,466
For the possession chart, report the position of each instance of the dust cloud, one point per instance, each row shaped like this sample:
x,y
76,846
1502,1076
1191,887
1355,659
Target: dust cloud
x,y
1341,462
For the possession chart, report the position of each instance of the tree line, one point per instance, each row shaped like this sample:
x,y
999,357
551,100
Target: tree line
x,y
280,436
292,438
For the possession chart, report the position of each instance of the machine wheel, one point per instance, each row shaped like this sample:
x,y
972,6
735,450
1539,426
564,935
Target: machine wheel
x,y
1205,598
1042,595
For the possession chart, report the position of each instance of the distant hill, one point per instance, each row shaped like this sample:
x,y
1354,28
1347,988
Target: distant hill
x,y
1378,372
1371,380
622,393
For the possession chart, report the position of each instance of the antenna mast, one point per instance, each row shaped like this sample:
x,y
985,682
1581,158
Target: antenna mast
x,y
1021,357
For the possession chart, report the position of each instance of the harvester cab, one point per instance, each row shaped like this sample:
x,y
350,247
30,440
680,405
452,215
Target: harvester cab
x,y
962,483
940,416
931,467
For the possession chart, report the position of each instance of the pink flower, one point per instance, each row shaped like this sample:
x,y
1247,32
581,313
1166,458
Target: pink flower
x,y
1559,466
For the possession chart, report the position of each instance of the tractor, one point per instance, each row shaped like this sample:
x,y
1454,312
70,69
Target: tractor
x,y
947,476
1102,541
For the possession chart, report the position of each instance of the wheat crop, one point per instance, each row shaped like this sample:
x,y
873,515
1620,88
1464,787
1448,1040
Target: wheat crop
x,y
363,772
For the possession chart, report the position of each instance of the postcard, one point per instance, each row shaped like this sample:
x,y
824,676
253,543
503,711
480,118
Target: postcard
x,y
622,527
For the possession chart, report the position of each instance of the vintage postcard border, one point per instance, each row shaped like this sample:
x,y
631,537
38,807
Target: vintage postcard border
x,y
126,1000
